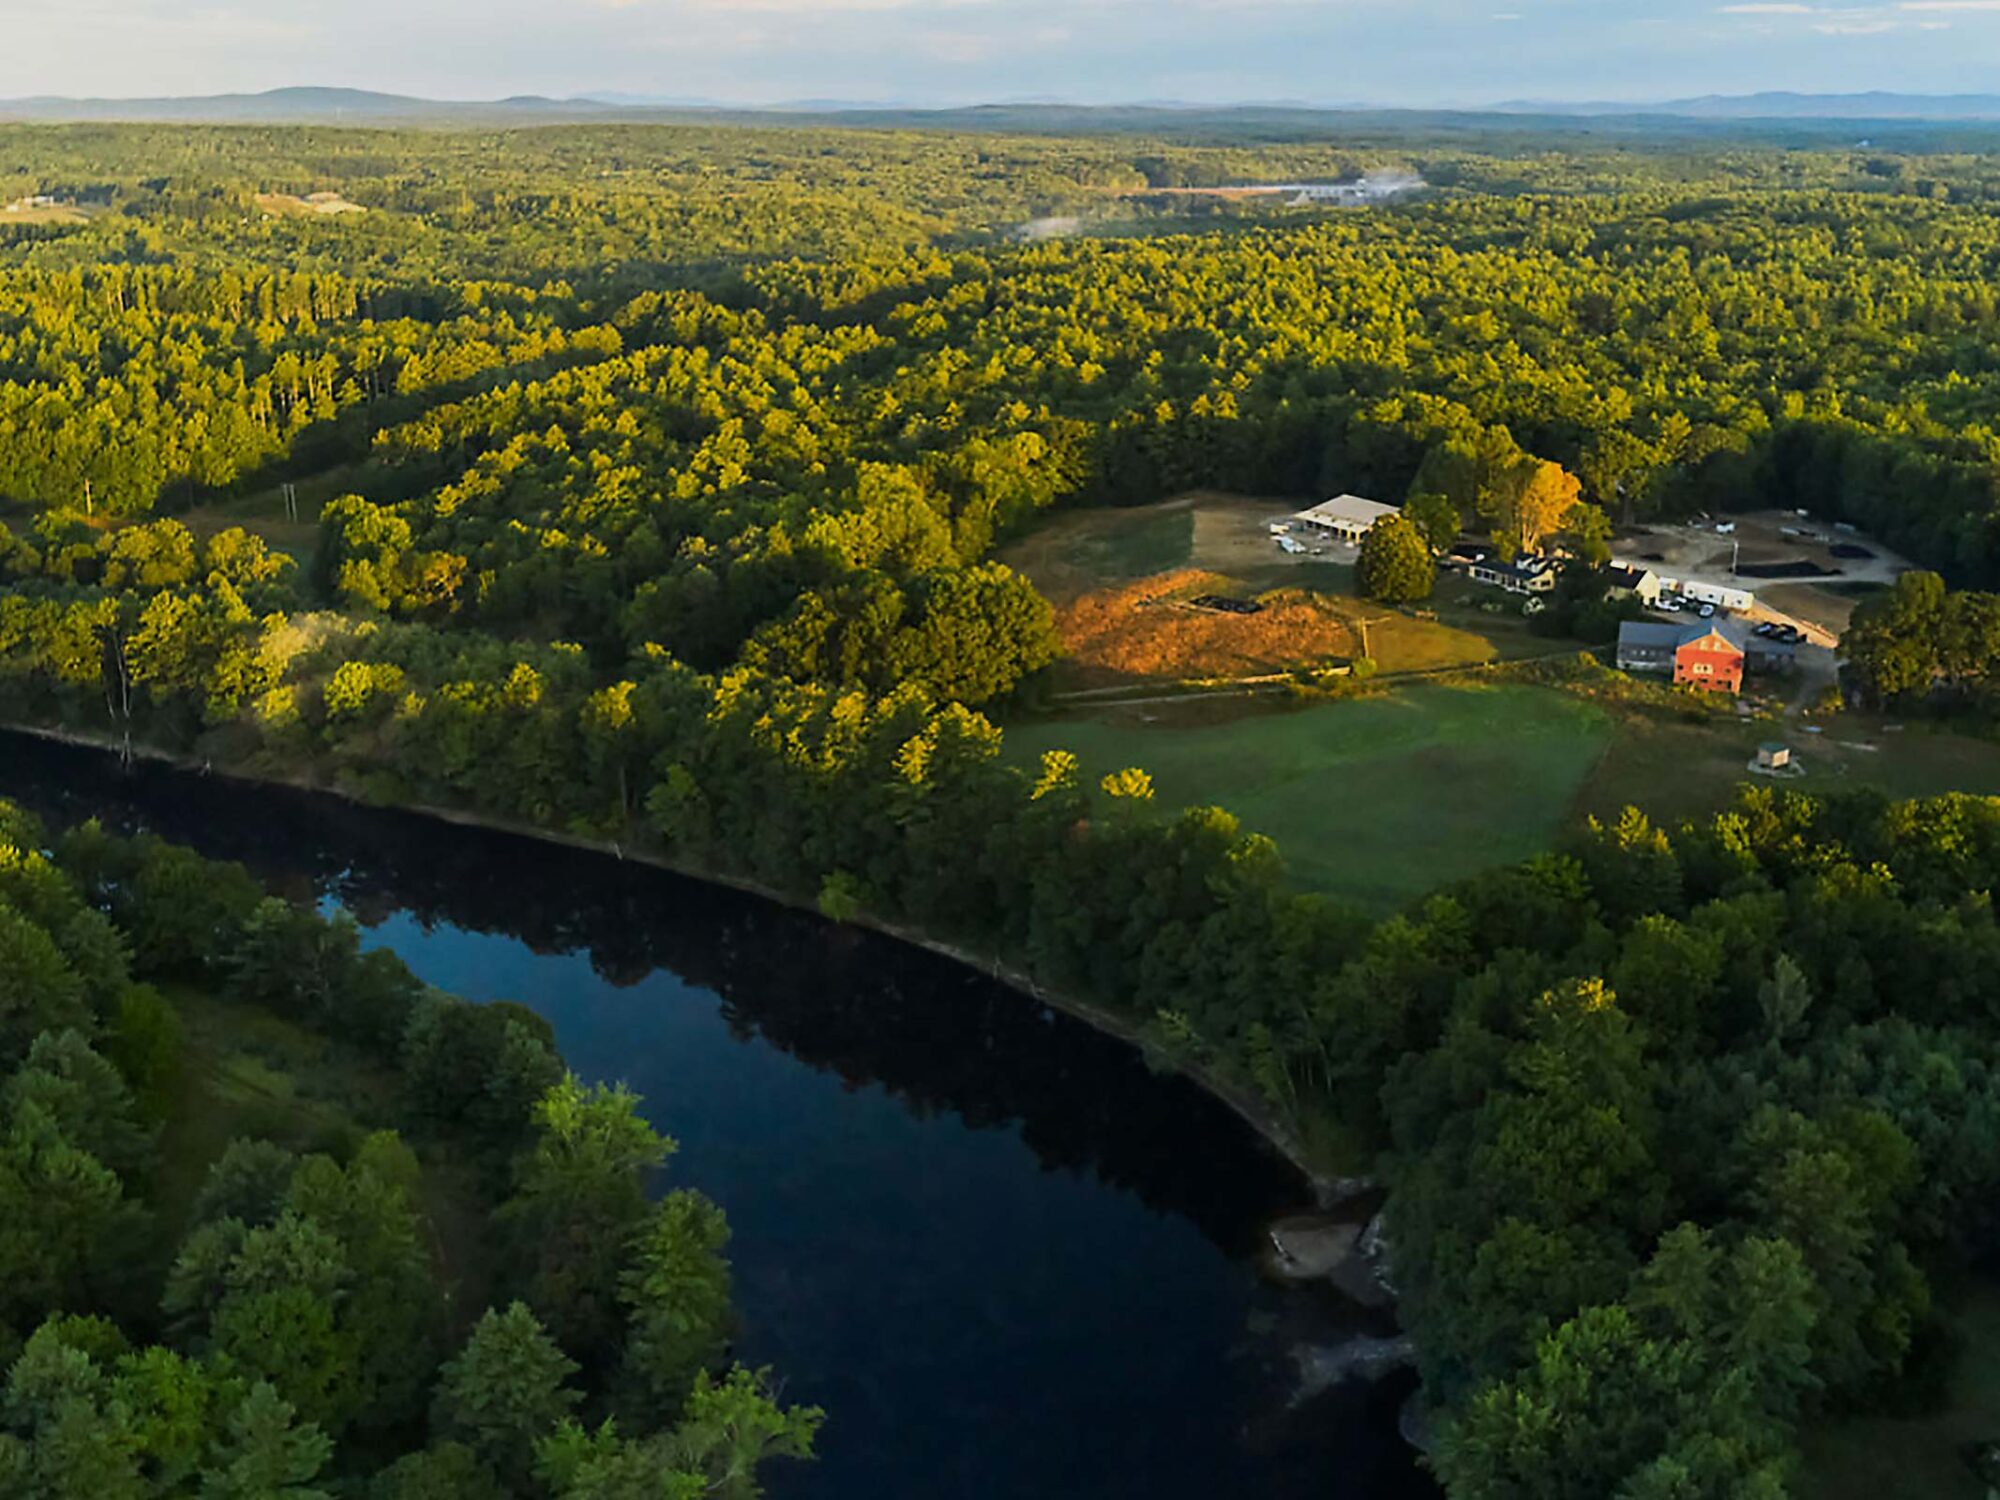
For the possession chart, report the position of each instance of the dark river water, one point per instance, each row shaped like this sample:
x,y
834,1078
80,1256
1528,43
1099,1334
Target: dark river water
x,y
1007,1259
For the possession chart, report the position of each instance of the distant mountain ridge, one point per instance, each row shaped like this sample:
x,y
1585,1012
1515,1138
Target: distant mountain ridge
x,y
287,105
317,105
1780,105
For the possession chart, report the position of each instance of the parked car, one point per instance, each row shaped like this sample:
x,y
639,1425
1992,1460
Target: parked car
x,y
1708,611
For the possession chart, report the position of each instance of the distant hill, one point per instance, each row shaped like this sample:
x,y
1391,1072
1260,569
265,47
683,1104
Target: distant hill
x,y
1785,106
1271,120
301,105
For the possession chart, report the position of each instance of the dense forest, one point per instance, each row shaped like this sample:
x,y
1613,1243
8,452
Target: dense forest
x,y
295,1309
657,476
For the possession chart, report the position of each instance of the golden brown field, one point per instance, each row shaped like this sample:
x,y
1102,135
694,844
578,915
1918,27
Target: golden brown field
x,y
1148,629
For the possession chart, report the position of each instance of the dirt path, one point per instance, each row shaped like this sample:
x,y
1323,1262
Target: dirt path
x,y
1273,682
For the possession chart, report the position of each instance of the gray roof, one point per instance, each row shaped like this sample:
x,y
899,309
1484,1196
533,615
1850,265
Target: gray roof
x,y
1652,633
1663,636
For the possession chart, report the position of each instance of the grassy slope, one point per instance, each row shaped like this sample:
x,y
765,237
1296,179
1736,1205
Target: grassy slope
x,y
1383,799
1378,801
1070,554
248,1072
1677,771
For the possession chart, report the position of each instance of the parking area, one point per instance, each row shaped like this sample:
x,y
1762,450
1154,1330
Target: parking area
x,y
1258,536
1806,574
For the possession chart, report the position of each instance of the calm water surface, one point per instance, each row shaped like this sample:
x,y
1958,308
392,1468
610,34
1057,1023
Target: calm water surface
x,y
1008,1260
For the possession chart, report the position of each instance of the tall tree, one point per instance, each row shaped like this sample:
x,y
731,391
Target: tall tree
x,y
1395,566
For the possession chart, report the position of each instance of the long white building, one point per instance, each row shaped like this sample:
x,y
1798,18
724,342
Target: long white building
x,y
1347,517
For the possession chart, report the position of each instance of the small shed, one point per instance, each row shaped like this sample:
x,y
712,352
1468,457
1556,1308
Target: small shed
x,y
1773,755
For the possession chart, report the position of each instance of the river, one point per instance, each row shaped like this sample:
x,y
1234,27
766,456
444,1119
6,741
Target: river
x,y
1008,1259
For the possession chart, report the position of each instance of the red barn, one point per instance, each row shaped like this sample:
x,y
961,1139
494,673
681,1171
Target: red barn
x,y
1709,661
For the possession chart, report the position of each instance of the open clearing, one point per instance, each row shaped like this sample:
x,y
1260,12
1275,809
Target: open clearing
x,y
1108,572
1872,1458
263,511
1153,629
1379,800
1383,798
281,205
39,211
1829,569
1677,771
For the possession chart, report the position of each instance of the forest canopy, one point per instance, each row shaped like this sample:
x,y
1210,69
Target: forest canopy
x,y
645,485
273,1313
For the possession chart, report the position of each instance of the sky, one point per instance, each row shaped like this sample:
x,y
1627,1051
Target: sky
x,y
1391,52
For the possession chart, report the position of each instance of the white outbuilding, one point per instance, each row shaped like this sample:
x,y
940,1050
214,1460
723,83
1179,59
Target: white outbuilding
x,y
1348,518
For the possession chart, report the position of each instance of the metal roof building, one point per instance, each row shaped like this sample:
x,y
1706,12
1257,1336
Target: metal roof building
x,y
1348,517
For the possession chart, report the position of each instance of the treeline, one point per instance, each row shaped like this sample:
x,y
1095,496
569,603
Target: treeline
x,y
1921,645
1676,346
293,1323
1673,362
1677,355
899,804
1681,1132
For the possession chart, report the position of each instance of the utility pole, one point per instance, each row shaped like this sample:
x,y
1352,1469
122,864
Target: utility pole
x,y
1362,626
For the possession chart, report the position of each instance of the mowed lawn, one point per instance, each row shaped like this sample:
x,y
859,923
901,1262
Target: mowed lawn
x,y
1379,800
1680,771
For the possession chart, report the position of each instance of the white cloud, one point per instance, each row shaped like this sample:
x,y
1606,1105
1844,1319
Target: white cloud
x,y
1849,20
1386,51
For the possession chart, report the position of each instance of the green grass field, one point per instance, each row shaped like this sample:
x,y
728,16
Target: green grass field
x,y
1378,801
1383,799
1676,771
1879,1458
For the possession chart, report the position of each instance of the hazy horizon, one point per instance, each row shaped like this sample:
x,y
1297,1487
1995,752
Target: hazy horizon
x,y
1393,53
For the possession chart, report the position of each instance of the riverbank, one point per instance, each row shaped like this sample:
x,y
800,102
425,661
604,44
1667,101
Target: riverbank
x,y
1325,1179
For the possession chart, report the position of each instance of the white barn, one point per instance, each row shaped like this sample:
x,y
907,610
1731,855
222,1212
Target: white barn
x,y
1347,517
